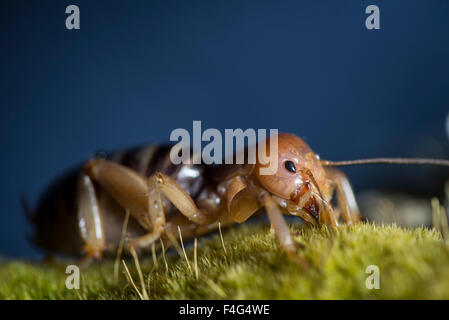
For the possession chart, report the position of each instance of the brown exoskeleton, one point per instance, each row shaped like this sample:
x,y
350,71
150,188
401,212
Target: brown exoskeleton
x,y
84,210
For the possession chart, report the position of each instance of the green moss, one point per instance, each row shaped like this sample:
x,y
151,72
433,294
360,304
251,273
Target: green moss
x,y
413,263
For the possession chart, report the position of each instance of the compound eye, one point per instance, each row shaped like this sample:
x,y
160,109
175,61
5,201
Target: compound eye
x,y
290,166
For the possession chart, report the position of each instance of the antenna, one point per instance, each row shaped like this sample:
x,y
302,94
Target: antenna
x,y
406,161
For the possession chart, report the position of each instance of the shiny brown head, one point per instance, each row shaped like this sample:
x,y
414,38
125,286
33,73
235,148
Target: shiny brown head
x,y
299,177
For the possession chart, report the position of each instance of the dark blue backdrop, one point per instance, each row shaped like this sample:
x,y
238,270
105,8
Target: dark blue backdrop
x,y
138,69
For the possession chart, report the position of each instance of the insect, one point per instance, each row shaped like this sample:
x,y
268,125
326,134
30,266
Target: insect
x,y
83,211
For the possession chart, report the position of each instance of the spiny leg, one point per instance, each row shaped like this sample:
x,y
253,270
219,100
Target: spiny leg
x,y
161,184
157,216
288,244
181,199
345,196
89,220
143,197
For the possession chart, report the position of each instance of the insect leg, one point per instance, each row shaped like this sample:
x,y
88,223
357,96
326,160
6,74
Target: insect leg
x,y
180,198
156,213
132,192
345,196
124,185
288,244
161,184
89,219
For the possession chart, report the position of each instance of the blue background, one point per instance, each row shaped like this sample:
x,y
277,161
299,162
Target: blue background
x,y
136,70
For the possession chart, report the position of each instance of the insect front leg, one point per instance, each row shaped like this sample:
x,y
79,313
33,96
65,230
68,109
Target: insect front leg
x,y
165,185
285,238
345,196
160,185
157,216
